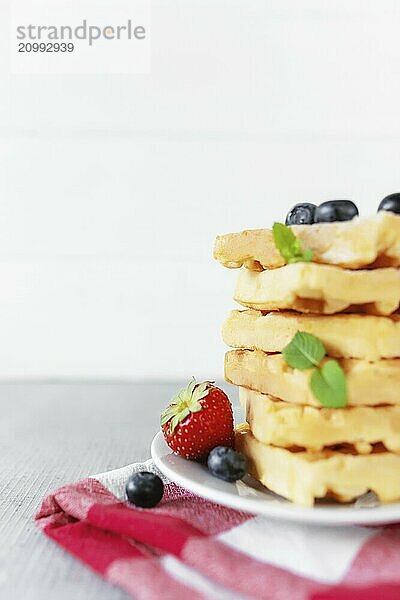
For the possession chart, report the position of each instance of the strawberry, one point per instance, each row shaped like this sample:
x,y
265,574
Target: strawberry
x,y
198,419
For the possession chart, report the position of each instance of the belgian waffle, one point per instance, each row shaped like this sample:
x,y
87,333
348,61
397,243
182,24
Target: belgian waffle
x,y
279,423
312,288
368,384
355,244
345,335
303,476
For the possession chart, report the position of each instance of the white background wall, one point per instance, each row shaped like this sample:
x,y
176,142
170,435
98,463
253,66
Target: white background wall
x,y
112,188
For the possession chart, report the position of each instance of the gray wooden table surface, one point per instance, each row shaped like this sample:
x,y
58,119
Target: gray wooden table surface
x,y
54,433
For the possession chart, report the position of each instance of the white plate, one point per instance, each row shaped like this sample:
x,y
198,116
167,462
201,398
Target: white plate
x,y
250,496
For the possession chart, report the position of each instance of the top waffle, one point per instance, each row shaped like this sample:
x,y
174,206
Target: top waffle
x,y
362,242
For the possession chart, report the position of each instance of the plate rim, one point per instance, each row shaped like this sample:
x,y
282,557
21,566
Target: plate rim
x,y
317,515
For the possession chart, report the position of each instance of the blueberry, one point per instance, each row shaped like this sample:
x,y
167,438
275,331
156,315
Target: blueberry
x,y
335,210
391,203
144,489
301,214
227,464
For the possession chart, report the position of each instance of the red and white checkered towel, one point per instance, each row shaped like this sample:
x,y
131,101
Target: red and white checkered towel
x,y
190,547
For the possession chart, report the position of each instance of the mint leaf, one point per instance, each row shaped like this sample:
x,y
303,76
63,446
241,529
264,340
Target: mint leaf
x,y
289,245
305,257
328,384
304,351
285,241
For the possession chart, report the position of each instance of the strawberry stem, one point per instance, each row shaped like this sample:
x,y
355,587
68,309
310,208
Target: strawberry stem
x,y
185,402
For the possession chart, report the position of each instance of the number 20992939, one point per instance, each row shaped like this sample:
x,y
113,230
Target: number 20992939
x,y
45,47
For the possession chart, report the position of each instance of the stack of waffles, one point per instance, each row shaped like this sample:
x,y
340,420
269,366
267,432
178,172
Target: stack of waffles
x,y
347,297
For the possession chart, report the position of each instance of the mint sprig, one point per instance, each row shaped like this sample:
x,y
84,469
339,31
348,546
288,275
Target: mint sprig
x,y
304,351
328,381
289,245
328,384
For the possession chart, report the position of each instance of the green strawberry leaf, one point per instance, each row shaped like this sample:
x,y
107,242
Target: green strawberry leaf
x,y
328,384
186,401
201,390
167,415
304,351
190,388
194,406
184,414
289,245
174,422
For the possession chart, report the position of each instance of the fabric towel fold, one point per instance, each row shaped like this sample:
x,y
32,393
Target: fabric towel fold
x,y
188,546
